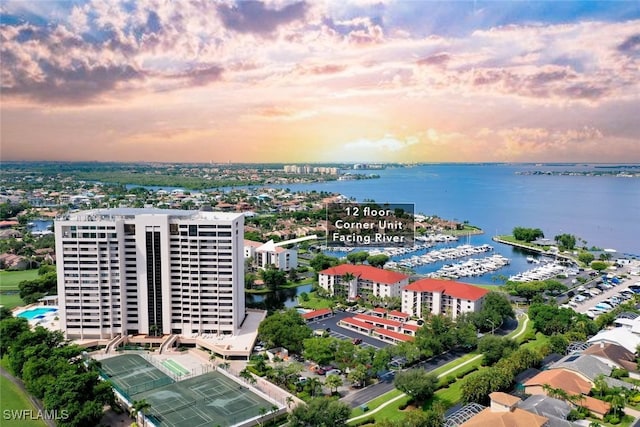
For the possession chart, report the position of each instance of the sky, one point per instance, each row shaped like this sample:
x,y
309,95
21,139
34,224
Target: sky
x,y
320,81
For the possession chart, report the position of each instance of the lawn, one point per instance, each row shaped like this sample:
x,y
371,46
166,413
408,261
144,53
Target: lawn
x,y
14,399
11,300
9,279
448,396
315,303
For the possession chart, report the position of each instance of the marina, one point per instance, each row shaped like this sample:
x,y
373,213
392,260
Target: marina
x,y
438,255
549,270
471,267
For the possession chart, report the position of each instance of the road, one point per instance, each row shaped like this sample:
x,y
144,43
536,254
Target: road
x,y
371,392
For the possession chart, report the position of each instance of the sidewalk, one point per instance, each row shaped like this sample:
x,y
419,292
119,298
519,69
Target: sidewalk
x,y
447,372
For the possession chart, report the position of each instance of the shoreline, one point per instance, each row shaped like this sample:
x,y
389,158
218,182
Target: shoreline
x,y
540,251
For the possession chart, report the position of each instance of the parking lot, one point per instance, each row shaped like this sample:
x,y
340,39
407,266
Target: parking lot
x,y
338,332
609,289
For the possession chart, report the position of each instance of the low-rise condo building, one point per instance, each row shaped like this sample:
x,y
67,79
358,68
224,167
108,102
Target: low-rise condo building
x,y
353,281
437,296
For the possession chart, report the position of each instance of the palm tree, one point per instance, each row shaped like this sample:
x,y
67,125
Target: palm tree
x,y
246,375
347,278
140,407
618,402
313,385
224,365
263,412
289,402
600,384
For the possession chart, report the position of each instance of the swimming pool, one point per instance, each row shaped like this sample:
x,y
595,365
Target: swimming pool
x,y
40,312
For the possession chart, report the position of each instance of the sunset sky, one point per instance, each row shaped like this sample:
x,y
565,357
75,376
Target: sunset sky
x,y
313,81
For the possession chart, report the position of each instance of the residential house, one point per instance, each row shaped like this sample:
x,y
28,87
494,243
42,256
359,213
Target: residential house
x,y
505,412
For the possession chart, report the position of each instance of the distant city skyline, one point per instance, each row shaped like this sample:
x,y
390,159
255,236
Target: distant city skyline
x,y
360,81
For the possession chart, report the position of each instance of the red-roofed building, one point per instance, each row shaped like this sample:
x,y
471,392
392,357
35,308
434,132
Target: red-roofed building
x,y
379,322
391,336
366,281
398,315
409,329
437,296
356,325
314,315
378,312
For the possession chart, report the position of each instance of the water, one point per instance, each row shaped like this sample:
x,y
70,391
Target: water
x,y
282,298
40,225
602,210
35,312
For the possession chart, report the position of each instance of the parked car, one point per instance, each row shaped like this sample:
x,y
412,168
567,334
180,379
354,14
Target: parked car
x,y
357,341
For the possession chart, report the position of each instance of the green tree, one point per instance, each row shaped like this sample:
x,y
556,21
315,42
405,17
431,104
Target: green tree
x,y
285,329
599,265
565,241
417,383
274,278
140,407
586,257
377,260
319,349
322,262
320,412
494,348
5,313
358,376
477,386
357,257
527,234
10,329
333,382
497,303
558,343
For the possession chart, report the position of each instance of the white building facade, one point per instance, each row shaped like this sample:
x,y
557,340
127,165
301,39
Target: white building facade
x,y
352,281
437,296
150,271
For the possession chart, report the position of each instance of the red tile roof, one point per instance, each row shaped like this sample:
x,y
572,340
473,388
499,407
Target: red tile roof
x,y
366,272
380,310
376,320
448,287
410,327
595,405
559,378
359,323
316,313
391,334
396,313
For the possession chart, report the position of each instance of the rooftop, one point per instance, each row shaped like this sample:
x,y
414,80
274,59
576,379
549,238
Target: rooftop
x,y
558,378
366,272
129,213
448,287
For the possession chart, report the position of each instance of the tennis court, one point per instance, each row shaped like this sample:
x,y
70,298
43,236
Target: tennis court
x,y
207,400
175,367
210,399
131,374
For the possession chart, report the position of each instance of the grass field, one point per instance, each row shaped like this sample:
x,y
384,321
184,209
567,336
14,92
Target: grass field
x,y
10,300
14,399
9,279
